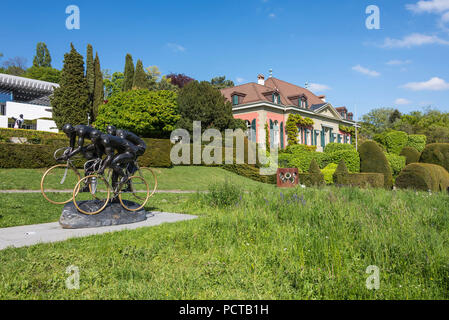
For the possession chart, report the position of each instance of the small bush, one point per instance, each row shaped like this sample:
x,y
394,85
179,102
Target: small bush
x,y
373,160
395,141
314,177
423,176
328,172
417,141
342,177
397,163
224,194
300,156
411,155
333,146
436,153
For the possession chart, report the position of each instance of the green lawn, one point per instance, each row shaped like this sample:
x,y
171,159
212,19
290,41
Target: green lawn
x,y
268,244
176,178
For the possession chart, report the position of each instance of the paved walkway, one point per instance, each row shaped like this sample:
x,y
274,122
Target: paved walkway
x,y
52,232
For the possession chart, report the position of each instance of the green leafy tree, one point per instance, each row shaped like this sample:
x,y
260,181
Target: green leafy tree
x,y
200,101
98,96
140,77
42,57
113,84
146,113
70,101
129,73
221,82
43,73
376,121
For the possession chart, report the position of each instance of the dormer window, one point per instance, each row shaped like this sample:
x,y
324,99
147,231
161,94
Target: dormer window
x,y
276,98
303,103
235,100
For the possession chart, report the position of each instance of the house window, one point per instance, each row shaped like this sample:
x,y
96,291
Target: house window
x,y
276,98
235,99
2,109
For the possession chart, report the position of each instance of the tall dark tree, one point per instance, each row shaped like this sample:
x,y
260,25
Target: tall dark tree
x,y
42,57
99,88
70,101
200,101
129,73
140,77
396,115
179,80
90,70
221,82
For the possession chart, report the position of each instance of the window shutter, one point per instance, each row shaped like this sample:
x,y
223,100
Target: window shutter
x,y
282,135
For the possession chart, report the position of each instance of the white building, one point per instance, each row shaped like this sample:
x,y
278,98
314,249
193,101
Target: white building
x,y
29,97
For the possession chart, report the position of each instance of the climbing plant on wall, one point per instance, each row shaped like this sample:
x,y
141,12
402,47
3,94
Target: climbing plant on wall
x,y
350,130
293,121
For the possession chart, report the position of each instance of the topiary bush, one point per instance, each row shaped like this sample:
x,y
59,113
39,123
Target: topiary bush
x,y
417,141
333,146
342,177
411,155
436,153
300,156
314,177
373,160
423,176
328,172
397,163
395,141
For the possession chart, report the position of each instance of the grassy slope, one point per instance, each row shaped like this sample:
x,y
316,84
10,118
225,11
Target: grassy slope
x,y
267,246
177,178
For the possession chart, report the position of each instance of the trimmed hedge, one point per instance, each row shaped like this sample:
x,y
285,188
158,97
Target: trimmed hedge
x,y
342,177
396,162
393,141
417,141
373,160
41,156
351,157
411,155
333,146
436,153
423,176
250,172
313,178
30,134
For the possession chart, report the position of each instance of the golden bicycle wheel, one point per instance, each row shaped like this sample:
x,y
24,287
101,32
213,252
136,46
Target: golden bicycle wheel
x,y
96,199
149,178
57,178
134,194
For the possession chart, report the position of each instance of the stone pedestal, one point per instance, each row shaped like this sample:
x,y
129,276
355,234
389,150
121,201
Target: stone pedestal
x,y
113,214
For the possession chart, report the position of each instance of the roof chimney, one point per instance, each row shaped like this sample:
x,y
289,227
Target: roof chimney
x,y
261,79
322,97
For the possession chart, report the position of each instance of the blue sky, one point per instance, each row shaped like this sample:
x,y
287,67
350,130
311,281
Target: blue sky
x,y
404,64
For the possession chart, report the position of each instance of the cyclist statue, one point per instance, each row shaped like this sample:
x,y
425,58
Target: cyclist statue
x,y
82,132
126,153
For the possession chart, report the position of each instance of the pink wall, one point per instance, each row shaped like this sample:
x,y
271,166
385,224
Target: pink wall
x,y
280,119
250,116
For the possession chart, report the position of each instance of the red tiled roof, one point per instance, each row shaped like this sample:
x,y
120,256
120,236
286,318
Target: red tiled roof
x,y
255,92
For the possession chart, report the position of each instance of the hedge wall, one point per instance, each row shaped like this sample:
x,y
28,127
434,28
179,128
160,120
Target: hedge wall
x,y
411,155
373,160
41,156
30,134
342,177
351,157
423,176
436,153
333,146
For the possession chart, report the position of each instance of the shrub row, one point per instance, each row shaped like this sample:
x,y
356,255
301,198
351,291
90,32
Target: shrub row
x,y
342,177
41,156
423,176
7,133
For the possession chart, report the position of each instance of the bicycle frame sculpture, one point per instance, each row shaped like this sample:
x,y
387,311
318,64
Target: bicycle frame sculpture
x,y
92,193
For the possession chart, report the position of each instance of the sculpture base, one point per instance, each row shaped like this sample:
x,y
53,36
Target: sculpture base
x,y
113,214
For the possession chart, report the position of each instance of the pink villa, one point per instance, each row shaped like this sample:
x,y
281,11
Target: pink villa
x,y
271,102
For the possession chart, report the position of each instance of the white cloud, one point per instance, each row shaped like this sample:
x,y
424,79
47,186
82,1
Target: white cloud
x,y
240,80
366,71
316,87
434,84
445,17
412,40
402,101
272,15
176,47
398,62
431,6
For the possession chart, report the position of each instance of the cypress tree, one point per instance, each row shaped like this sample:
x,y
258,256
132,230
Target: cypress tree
x,y
129,73
90,77
42,57
140,77
99,88
70,102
